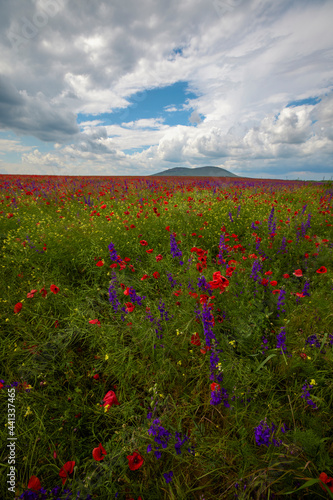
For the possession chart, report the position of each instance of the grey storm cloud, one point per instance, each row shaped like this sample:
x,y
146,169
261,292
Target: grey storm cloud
x,y
34,115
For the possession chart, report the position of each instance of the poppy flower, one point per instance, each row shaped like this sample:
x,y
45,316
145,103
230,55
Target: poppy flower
x,y
159,257
214,386
135,461
34,483
144,277
298,273
98,453
195,339
30,295
327,480
43,292
100,263
156,275
110,399
321,270
54,289
286,276
66,470
129,306
273,283
143,243
17,307
95,322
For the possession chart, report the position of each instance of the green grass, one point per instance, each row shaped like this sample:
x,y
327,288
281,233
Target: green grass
x,y
51,345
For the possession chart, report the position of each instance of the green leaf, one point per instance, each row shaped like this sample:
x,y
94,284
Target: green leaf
x,y
264,362
310,483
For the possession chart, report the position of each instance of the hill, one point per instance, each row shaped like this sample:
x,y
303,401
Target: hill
x,y
197,172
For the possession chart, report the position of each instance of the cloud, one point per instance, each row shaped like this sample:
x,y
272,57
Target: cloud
x,y
245,60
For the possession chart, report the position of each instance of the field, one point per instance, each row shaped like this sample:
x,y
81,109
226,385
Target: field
x,y
166,338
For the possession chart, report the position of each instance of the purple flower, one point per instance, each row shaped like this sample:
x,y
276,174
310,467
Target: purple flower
x,y
263,434
168,476
281,339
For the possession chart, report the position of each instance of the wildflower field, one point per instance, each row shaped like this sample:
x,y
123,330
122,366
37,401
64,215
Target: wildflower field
x,y
166,338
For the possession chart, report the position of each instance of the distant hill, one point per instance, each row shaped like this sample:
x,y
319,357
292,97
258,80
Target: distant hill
x,y
197,172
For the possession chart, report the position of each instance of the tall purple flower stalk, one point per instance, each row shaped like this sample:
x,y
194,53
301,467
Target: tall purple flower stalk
x,y
306,395
281,302
281,340
263,433
175,251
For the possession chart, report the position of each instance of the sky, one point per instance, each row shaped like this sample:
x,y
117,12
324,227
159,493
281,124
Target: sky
x,y
133,88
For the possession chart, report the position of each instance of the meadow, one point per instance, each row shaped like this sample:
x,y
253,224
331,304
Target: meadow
x,y
166,338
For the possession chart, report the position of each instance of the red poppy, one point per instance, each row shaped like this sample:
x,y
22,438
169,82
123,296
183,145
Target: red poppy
x,y
195,339
321,270
56,323
30,295
286,276
327,480
264,281
95,322
43,292
168,228
96,376
66,470
54,289
303,355
268,273
156,275
158,257
135,461
100,263
98,453
150,251
129,306
143,243
298,273
144,277
17,307
214,386
34,483
110,399
273,283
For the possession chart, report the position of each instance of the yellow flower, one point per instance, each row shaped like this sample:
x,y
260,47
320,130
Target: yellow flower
x,y
28,412
313,382
179,363
232,342
106,357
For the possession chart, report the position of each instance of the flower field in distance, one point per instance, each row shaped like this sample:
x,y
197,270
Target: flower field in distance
x,y
166,338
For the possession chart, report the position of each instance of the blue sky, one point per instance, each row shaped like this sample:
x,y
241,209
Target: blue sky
x,y
136,89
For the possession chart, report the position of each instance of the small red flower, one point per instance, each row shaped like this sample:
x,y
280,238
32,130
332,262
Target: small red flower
x,y
144,277
100,263
159,257
286,276
303,355
110,399
327,480
54,289
195,339
129,306
214,386
156,275
96,376
321,270
143,243
150,251
17,307
99,452
56,323
34,483
135,461
273,283
43,292
66,470
298,273
95,322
